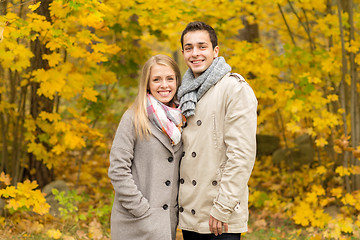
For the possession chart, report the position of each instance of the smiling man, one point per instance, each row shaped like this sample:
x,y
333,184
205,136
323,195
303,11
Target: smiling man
x,y
219,140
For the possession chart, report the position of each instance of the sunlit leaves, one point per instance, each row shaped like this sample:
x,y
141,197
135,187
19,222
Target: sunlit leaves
x,y
35,6
25,197
54,233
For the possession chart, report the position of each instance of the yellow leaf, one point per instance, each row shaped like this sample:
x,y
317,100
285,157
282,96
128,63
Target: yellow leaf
x,y
318,190
35,6
9,191
73,141
342,171
321,142
84,36
333,97
13,204
49,116
90,94
337,149
337,192
54,233
53,59
293,127
349,199
346,225
41,208
58,149
320,170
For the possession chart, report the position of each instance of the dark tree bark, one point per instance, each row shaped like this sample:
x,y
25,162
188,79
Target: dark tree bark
x,y
42,174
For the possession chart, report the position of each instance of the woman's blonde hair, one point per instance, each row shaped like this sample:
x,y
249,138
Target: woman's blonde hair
x,y
141,120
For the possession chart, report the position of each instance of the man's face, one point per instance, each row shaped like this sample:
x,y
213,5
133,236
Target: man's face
x,y
198,51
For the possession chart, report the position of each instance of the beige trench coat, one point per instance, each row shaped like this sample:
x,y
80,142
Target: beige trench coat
x,y
220,147
145,176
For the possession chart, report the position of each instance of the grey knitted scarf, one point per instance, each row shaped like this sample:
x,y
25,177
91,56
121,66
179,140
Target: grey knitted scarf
x,y
192,89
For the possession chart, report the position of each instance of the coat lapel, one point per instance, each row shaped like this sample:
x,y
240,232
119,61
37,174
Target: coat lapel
x,y
161,137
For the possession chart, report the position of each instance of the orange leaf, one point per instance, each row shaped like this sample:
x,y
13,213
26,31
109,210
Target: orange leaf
x,y
5,178
356,153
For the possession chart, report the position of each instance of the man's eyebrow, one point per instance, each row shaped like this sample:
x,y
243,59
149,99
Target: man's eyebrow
x,y
200,43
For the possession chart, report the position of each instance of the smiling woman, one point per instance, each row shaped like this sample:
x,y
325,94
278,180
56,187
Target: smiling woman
x,y
162,84
145,156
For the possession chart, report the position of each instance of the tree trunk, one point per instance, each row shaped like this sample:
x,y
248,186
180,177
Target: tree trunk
x,y
250,32
354,99
342,94
347,5
42,174
3,7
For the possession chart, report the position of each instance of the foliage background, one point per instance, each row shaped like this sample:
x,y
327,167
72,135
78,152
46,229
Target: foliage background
x,y
69,68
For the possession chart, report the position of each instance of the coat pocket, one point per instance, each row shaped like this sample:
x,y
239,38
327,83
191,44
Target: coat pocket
x,y
154,224
158,224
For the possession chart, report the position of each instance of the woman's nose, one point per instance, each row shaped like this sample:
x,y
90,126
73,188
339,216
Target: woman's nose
x,y
164,83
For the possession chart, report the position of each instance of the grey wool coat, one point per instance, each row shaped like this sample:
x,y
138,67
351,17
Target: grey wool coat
x,y
145,174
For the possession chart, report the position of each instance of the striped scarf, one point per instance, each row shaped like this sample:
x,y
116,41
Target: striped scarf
x,y
168,119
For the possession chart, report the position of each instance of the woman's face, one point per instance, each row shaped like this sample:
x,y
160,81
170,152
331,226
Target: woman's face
x,y
162,83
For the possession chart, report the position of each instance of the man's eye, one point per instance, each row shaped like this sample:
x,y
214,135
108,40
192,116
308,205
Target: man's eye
x,y
187,49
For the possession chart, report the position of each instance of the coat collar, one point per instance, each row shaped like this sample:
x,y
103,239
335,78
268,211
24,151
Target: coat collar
x,y
164,139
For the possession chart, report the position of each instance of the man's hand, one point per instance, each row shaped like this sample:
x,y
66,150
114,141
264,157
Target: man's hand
x,y
216,226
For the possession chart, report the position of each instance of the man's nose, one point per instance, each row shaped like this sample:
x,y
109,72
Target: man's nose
x,y
195,51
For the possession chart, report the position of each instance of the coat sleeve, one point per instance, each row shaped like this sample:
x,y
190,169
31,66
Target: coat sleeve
x,y
240,141
121,157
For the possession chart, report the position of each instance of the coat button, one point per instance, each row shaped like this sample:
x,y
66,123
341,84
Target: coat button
x,y
170,159
193,211
193,154
214,183
165,206
181,209
167,183
193,182
182,181
198,122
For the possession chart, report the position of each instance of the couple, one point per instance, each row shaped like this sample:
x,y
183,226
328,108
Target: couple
x,y
207,193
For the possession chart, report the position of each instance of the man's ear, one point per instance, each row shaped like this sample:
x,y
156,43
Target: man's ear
x,y
216,51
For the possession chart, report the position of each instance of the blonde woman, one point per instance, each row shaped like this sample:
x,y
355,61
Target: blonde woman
x,y
145,155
